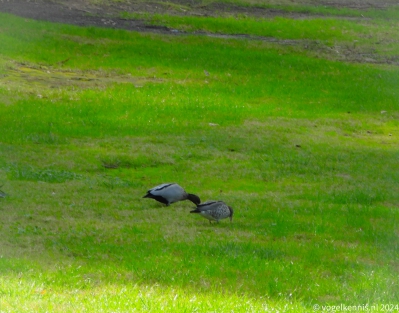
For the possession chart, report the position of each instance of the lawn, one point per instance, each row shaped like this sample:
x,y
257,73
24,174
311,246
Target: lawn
x,y
300,142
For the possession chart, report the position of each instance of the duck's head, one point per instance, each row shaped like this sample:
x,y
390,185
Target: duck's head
x,y
194,198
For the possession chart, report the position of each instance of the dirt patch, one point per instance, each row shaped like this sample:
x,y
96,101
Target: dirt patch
x,y
85,13
70,13
36,77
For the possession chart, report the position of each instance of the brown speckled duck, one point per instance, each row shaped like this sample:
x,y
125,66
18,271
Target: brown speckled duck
x,y
214,210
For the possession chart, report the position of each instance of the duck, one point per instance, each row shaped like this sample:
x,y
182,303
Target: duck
x,y
170,193
214,210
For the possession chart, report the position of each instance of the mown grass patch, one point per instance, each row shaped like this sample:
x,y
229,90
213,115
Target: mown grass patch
x,y
303,148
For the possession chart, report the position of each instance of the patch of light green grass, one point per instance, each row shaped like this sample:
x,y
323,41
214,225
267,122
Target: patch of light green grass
x,y
40,295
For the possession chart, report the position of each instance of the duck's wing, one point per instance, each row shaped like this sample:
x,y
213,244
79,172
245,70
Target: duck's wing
x,y
160,188
209,205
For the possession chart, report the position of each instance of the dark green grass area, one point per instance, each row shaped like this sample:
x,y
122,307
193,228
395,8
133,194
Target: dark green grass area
x,y
284,28
304,149
239,80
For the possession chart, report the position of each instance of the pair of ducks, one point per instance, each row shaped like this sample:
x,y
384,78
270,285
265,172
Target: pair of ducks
x,y
172,192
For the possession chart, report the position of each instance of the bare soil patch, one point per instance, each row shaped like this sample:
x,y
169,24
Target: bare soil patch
x,y
85,13
35,77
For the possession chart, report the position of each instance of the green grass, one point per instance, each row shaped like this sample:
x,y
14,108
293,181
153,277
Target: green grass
x,y
304,148
342,36
278,27
391,10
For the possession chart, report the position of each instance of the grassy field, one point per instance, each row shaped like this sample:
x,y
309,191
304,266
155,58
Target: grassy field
x,y
302,145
